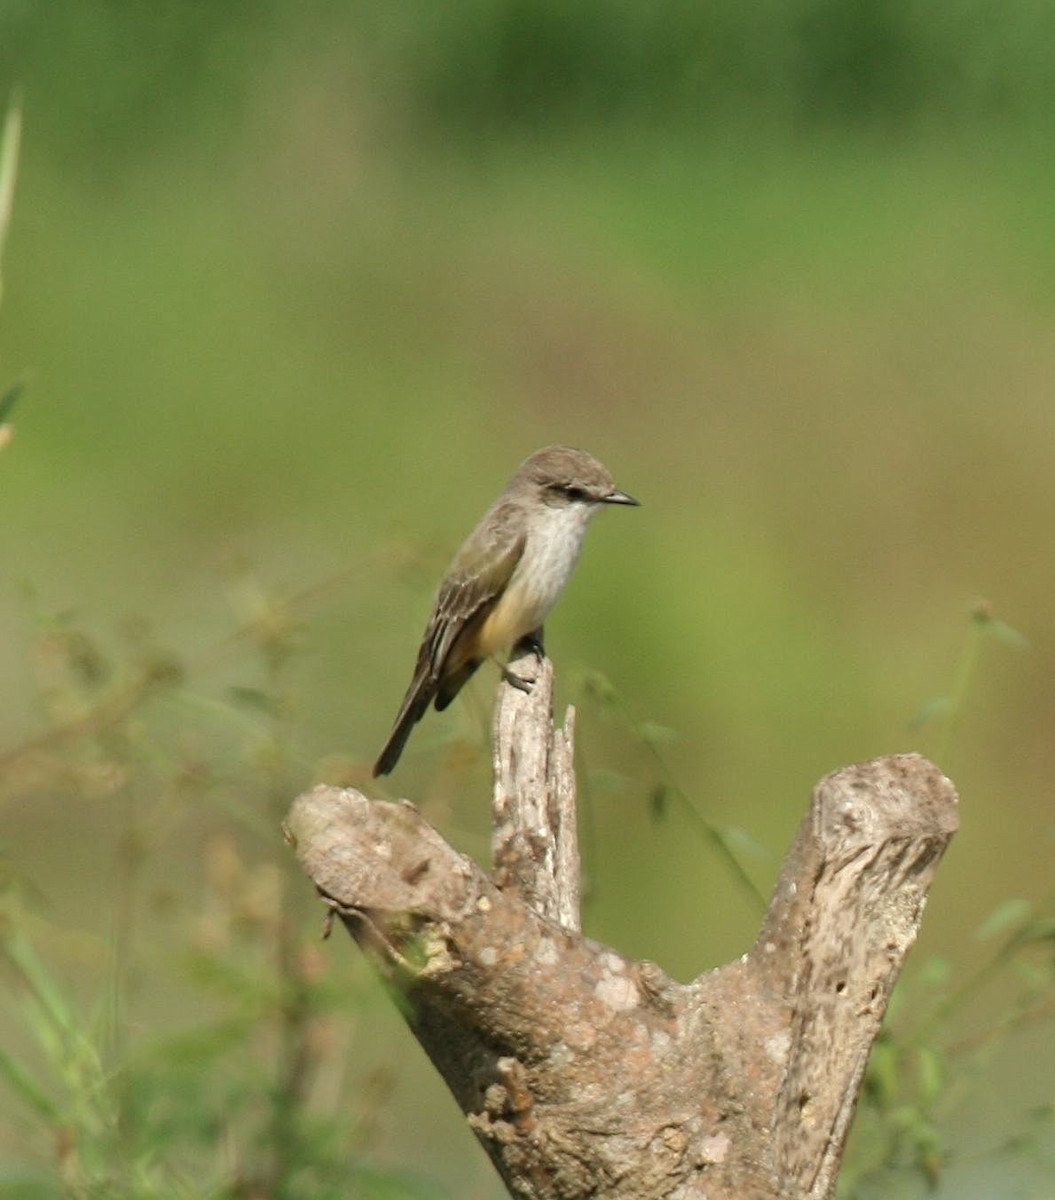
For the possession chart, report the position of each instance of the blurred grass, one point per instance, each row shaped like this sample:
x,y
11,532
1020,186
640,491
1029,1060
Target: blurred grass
x,y
299,288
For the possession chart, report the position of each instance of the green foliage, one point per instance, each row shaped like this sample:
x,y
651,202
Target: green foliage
x,y
652,738
502,64
949,708
225,1106
499,66
280,269
923,1068
10,137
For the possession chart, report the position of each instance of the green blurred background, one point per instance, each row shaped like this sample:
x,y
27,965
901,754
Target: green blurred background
x,y
296,287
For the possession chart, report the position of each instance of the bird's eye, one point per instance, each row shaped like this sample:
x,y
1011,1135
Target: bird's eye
x,y
570,492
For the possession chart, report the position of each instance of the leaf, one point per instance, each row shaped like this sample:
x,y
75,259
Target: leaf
x,y
597,687
9,399
931,1075
1002,632
740,842
656,735
1010,912
930,710
606,780
7,402
658,802
1042,930
22,1083
1030,975
935,972
982,616
9,142
882,1077
255,700
85,660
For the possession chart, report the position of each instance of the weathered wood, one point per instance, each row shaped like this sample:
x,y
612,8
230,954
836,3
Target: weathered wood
x,y
534,840
587,1074
871,844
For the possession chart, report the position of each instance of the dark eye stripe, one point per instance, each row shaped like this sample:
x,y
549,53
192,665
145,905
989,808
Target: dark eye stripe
x,y
569,491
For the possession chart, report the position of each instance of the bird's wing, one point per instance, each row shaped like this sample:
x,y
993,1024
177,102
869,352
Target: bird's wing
x,y
477,577
474,582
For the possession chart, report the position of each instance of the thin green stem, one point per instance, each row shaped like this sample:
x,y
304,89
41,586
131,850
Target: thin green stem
x,y
965,673
709,831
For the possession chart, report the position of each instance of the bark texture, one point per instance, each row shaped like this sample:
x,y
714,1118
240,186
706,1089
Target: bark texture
x,y
588,1074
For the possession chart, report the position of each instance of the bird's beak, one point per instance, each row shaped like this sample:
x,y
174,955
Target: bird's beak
x,y
621,498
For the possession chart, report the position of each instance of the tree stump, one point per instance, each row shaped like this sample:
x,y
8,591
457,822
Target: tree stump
x,y
588,1074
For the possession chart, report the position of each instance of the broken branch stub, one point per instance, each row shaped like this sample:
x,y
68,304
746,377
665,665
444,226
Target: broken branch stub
x,y
587,1074
534,838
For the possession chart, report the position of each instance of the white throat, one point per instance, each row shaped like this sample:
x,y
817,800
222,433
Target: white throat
x,y
554,542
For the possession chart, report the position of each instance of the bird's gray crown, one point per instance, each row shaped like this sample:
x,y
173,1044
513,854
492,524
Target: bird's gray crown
x,y
566,474
561,475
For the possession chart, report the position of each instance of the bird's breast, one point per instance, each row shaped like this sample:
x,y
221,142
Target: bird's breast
x,y
550,554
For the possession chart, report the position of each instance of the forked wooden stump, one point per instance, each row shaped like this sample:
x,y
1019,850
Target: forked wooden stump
x,y
587,1074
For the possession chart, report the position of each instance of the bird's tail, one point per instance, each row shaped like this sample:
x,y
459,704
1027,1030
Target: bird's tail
x,y
415,702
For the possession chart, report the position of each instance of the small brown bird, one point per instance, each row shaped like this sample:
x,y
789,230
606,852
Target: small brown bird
x,y
505,579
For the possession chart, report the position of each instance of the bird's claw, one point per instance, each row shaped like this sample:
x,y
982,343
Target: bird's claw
x,y
531,642
518,681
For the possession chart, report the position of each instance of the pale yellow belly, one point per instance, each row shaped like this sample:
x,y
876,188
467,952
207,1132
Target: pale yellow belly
x,y
517,613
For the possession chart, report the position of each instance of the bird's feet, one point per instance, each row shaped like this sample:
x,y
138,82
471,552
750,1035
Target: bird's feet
x,y
530,642
518,681
533,642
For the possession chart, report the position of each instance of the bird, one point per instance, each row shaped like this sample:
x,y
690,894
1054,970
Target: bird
x,y
505,579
